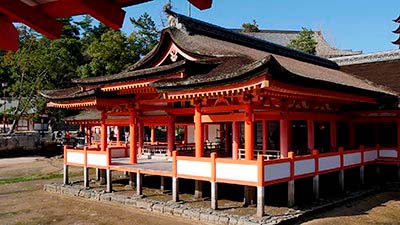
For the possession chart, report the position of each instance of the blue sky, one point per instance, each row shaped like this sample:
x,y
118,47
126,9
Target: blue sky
x,y
347,24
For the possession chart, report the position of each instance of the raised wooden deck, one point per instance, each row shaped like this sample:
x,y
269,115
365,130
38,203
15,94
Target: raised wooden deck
x,y
144,166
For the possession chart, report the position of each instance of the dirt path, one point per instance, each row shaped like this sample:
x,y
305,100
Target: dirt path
x,y
26,203
381,208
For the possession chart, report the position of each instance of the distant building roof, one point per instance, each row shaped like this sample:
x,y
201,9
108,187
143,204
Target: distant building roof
x,y
283,37
379,67
368,58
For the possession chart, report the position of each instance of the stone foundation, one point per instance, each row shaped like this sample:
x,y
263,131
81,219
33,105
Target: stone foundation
x,y
205,215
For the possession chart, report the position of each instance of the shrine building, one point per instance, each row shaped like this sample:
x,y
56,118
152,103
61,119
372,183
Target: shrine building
x,y
236,110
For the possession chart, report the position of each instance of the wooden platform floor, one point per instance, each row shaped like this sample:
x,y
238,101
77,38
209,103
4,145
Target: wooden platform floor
x,y
144,166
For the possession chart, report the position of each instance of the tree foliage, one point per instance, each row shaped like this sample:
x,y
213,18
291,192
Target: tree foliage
x,y
304,42
250,27
84,50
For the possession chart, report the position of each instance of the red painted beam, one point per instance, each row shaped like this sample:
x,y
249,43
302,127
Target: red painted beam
x,y
18,11
105,11
9,34
201,4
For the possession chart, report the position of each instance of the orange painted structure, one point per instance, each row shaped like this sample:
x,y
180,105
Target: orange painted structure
x,y
41,15
254,113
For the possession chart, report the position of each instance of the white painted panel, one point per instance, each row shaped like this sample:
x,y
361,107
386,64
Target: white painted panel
x,y
352,158
304,167
118,153
388,153
276,171
242,172
370,156
97,159
190,130
213,133
330,162
75,157
193,168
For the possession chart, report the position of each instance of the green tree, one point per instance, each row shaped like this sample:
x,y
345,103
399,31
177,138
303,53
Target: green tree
x,y
109,51
145,37
250,27
108,55
304,42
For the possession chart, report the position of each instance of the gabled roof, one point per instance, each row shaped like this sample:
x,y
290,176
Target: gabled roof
x,y
283,37
368,58
193,55
68,93
379,67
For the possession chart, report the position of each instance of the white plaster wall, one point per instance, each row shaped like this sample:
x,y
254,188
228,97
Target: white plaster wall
x,y
388,153
304,167
276,171
193,168
331,162
370,156
96,159
213,133
75,157
352,158
190,130
241,172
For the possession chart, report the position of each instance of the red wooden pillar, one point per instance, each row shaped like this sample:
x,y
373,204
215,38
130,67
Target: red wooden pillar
x,y
265,135
310,134
352,135
333,134
171,135
185,134
141,137
284,137
152,135
198,133
132,138
236,140
249,133
103,132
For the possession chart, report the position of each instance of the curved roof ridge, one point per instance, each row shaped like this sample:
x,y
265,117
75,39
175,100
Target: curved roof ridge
x,y
191,25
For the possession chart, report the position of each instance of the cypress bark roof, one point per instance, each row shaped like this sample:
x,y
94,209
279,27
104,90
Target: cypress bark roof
x,y
221,56
283,37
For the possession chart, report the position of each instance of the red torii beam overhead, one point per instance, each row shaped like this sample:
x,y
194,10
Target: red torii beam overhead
x,y
41,15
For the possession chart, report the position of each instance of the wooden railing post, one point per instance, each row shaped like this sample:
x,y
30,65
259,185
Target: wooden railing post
x,y
214,187
291,187
341,172
378,147
362,177
341,154
85,168
362,150
175,184
260,186
66,179
316,174
109,156
65,154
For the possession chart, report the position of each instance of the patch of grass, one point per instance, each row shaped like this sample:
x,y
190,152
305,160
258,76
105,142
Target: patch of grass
x,y
32,177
